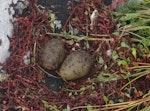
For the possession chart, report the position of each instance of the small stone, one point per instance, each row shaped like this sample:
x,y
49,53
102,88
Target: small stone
x,y
55,84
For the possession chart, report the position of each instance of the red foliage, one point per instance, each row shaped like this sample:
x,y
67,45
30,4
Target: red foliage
x,y
25,86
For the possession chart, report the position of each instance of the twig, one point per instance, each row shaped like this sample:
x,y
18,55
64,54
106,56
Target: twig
x,y
47,72
67,36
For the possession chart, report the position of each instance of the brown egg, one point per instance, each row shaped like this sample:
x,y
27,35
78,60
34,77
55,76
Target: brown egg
x,y
52,54
76,65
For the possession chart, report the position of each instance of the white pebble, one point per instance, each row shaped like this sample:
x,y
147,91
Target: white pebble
x,y
109,52
26,58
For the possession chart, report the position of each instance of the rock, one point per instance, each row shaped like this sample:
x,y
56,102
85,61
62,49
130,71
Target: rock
x,y
52,54
2,91
55,84
107,2
76,65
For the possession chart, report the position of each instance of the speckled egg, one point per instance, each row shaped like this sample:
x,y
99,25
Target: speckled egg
x,y
76,65
52,54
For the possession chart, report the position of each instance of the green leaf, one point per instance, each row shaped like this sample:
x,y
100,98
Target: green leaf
x,y
124,44
70,94
107,77
65,110
122,62
54,108
115,55
51,107
111,102
52,17
121,100
82,89
33,60
100,61
86,12
146,42
134,52
46,105
105,99
89,107
117,33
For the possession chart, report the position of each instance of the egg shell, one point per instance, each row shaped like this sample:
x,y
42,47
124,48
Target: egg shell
x,y
52,54
76,65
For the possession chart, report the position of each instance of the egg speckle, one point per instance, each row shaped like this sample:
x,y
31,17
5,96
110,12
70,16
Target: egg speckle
x,y
76,65
52,54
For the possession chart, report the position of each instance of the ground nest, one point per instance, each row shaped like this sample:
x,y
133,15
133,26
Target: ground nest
x,y
107,82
